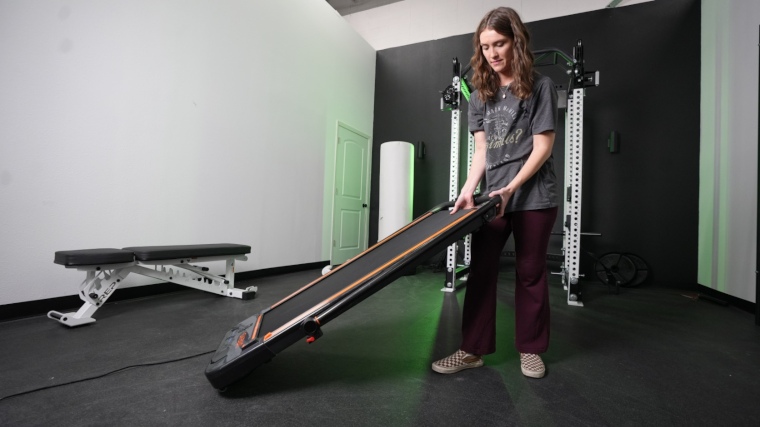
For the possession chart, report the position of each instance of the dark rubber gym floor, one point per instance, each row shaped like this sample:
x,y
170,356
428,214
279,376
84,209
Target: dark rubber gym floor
x,y
647,356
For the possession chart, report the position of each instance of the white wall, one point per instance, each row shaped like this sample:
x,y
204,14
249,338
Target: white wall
x,y
728,147
148,122
414,21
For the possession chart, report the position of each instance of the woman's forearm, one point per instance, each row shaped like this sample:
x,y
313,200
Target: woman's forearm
x,y
542,149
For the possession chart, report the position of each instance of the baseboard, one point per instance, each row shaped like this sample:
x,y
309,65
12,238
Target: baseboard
x,y
720,298
275,271
72,302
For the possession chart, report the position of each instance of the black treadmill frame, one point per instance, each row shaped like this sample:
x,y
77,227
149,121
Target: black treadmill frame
x,y
243,348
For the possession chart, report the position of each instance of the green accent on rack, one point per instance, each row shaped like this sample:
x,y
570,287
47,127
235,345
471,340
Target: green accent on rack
x,y
465,89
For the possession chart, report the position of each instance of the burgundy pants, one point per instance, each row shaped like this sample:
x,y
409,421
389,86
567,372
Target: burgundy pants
x,y
531,230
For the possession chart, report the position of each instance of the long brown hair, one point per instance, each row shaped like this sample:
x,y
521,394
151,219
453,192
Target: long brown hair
x,y
507,22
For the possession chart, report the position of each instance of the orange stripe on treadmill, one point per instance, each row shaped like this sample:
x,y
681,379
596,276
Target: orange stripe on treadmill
x,y
254,333
427,214
358,282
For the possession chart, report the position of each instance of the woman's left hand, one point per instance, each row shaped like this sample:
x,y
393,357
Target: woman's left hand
x,y
505,193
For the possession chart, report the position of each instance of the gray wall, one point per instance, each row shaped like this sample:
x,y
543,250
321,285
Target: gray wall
x,y
729,147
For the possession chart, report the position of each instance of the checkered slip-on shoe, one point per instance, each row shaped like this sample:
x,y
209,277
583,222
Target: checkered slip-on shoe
x,y
532,365
456,362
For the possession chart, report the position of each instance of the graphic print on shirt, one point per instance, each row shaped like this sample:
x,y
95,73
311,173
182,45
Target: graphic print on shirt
x,y
503,133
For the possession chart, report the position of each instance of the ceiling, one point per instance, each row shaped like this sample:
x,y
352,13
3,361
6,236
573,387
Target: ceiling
x,y
347,7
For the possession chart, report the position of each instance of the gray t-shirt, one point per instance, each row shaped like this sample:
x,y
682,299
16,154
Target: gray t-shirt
x,y
509,124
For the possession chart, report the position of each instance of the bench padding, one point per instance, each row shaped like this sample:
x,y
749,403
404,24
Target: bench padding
x,y
157,253
101,256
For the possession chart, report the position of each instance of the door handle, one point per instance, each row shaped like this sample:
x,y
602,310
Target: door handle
x,y
364,205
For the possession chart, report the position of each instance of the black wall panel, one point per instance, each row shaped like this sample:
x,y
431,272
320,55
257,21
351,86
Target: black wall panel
x,y
643,199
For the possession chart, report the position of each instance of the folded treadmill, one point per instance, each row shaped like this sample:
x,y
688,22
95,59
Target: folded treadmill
x,y
259,338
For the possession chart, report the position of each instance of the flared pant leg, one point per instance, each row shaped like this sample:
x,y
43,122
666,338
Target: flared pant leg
x,y
532,230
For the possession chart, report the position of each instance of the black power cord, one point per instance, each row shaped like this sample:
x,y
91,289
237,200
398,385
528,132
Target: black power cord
x,y
106,374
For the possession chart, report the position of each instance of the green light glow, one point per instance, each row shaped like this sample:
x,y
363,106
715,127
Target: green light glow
x,y
728,148
715,149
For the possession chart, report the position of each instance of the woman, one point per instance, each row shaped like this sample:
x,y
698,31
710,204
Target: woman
x,y
512,115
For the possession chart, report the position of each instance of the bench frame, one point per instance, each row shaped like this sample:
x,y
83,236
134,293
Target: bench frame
x,y
103,280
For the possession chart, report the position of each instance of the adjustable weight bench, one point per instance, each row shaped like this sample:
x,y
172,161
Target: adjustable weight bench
x,y
107,268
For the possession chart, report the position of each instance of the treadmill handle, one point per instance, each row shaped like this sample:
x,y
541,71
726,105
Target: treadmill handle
x,y
483,198
480,199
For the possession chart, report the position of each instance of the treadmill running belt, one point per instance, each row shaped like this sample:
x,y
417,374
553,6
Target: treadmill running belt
x,y
259,338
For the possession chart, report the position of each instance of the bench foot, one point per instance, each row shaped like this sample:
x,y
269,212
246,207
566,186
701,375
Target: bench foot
x,y
244,294
69,319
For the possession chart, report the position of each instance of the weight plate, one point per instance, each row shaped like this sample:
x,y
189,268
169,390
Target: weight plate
x,y
620,266
642,270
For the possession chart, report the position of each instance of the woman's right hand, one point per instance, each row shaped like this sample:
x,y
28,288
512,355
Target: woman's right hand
x,y
464,201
